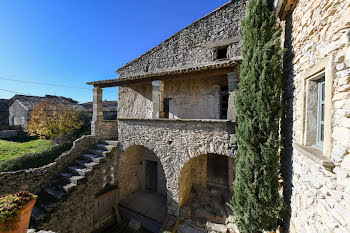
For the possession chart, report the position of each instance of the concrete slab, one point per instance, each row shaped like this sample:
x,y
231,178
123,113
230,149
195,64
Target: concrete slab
x,y
149,204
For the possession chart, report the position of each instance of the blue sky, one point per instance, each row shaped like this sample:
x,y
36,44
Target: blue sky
x,y
71,42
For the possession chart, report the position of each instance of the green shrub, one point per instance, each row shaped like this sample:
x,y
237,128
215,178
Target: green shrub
x,y
35,160
10,205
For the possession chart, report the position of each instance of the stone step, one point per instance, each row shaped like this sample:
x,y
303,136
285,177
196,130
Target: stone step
x,y
94,158
109,142
48,206
85,163
37,214
75,179
103,147
77,169
66,176
97,152
54,192
69,187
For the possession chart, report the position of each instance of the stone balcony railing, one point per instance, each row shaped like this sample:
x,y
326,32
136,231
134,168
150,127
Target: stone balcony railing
x,y
187,136
105,129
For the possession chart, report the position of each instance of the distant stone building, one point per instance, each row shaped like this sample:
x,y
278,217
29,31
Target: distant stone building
x,y
21,107
110,109
4,114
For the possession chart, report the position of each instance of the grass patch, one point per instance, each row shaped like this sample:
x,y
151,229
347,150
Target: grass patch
x,y
34,160
10,149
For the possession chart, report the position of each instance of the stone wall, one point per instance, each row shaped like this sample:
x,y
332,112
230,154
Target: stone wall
x,y
19,115
104,129
175,142
190,98
135,101
35,179
8,133
196,44
77,212
317,36
321,199
194,172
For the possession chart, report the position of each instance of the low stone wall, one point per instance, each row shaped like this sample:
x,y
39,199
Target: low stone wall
x,y
8,133
33,180
106,129
78,211
175,142
321,199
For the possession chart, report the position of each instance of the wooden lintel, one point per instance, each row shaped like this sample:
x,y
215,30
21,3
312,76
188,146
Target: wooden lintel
x,y
199,74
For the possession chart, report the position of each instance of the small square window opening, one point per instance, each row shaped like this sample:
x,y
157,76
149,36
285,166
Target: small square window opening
x,y
221,53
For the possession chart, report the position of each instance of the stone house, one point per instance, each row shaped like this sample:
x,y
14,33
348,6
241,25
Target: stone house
x,y
316,123
21,106
176,102
175,124
170,154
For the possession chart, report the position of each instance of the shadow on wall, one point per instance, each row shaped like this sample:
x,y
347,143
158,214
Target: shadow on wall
x,y
139,169
287,122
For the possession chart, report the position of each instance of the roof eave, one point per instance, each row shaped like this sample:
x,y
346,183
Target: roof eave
x,y
284,7
201,71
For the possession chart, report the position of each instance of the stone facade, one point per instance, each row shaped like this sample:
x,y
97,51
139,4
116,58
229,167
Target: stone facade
x,y
18,114
175,142
35,179
317,36
190,98
221,27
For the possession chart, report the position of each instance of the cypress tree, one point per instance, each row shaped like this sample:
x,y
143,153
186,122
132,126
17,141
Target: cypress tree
x,y
256,202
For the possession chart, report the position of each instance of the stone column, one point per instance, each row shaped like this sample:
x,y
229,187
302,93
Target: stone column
x,y
232,79
97,115
158,99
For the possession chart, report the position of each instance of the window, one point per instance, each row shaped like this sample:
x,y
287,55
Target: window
x,y
221,53
320,112
223,102
315,111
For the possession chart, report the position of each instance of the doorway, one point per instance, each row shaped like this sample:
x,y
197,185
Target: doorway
x,y
151,176
218,171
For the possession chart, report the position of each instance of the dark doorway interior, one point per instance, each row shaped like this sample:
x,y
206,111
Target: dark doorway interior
x,y
218,171
166,107
151,176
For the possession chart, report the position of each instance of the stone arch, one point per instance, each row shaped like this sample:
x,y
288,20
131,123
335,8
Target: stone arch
x,y
206,178
130,173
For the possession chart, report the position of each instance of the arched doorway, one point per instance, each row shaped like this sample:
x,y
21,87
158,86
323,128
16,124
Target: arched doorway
x,y
142,185
205,188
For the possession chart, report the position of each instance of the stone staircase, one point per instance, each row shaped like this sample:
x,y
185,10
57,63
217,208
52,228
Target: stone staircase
x,y
68,180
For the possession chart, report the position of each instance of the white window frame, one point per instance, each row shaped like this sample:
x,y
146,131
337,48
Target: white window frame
x,y
320,112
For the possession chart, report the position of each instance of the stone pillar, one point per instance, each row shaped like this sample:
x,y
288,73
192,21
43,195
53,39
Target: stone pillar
x,y
158,99
97,115
232,79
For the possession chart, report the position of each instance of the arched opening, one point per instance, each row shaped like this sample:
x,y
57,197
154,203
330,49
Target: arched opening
x,y
205,188
142,185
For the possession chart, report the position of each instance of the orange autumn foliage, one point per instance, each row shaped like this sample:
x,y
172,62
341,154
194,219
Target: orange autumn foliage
x,y
53,119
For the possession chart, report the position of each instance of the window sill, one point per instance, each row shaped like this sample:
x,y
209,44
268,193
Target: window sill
x,y
315,155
